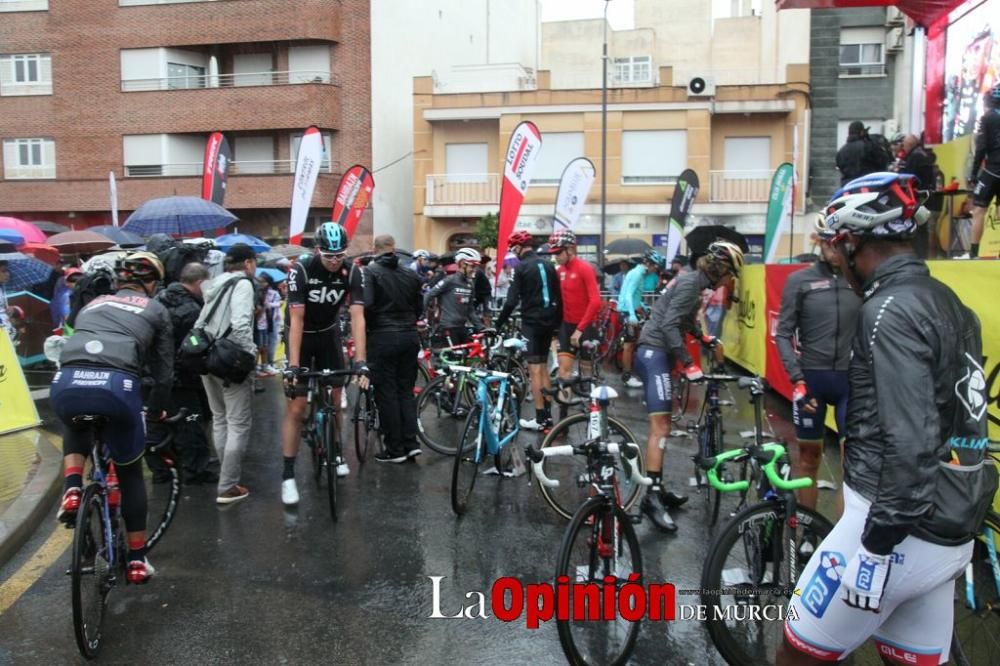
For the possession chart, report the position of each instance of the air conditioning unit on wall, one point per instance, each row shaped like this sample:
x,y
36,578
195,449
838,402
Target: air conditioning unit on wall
x,y
894,40
701,86
893,16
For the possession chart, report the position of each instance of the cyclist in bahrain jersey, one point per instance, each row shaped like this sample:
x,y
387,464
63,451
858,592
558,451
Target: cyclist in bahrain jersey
x,y
916,482
581,302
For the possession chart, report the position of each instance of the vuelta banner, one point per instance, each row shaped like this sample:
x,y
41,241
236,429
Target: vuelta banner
x,y
685,192
353,194
779,210
113,185
306,171
17,409
218,156
574,186
522,151
744,330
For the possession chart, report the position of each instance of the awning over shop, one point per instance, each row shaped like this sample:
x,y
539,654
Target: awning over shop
x,y
924,13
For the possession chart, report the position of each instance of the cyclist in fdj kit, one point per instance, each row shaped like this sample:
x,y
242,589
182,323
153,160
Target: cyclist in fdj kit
x,y
317,289
661,345
629,303
535,288
456,299
116,337
916,478
581,299
986,165
819,310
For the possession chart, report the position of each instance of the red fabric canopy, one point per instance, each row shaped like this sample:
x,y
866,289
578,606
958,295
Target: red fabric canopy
x,y
924,12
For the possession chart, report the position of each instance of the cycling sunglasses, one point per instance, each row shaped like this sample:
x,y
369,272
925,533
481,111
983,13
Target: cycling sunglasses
x,y
333,256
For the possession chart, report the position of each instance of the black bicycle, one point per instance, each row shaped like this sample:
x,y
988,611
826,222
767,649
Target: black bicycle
x,y
366,423
100,552
599,548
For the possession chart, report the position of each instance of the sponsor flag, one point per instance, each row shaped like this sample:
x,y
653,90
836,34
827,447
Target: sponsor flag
x,y
685,192
519,161
306,171
353,195
779,210
114,198
218,156
574,186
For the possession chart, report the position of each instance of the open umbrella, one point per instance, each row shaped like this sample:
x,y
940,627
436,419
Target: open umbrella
x,y
613,263
699,238
274,273
42,252
120,237
25,271
30,232
627,246
177,216
11,236
79,242
290,251
50,227
229,240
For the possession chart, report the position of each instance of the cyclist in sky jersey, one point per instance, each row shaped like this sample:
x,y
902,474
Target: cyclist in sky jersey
x,y
581,299
317,289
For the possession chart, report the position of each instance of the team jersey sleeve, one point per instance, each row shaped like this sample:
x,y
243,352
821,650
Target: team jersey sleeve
x,y
297,286
362,290
680,313
437,290
593,296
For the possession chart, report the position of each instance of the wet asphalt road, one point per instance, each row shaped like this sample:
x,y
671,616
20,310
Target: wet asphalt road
x,y
257,583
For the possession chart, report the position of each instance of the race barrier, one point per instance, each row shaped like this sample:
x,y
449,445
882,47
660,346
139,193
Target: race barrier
x,y
749,327
17,409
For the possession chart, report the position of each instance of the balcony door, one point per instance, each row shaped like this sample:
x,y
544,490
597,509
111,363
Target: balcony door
x,y
252,69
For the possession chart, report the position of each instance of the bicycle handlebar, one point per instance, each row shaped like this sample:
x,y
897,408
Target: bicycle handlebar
x,y
172,420
628,452
482,373
768,455
562,384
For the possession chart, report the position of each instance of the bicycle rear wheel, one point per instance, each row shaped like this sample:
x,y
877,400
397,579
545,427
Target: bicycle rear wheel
x,y
441,410
571,471
600,542
92,571
173,501
753,560
467,460
976,638
713,446
329,451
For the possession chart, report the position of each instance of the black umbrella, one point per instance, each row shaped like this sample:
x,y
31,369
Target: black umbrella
x,y
612,265
121,238
627,246
50,227
700,238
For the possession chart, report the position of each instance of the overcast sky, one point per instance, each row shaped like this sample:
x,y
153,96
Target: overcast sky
x,y
619,11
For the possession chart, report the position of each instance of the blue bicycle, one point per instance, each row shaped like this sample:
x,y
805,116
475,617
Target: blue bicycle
x,y
492,424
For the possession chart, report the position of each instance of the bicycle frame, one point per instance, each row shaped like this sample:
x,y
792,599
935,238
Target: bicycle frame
x,y
494,413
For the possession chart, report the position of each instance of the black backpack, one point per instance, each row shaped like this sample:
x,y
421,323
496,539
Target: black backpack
x,y
880,151
175,255
86,289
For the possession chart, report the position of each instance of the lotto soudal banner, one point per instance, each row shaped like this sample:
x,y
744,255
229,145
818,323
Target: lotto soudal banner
x,y
685,192
218,156
353,194
574,186
522,151
306,171
779,210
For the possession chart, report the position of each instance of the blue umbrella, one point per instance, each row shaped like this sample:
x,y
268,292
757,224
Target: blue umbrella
x,y
120,237
12,237
276,275
177,216
25,271
229,240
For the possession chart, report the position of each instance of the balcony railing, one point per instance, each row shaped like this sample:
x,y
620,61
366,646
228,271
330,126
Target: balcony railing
x,y
134,3
23,5
236,168
459,189
228,80
739,186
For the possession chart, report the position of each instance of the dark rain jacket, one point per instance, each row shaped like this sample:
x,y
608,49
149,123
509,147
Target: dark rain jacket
x,y
674,314
535,287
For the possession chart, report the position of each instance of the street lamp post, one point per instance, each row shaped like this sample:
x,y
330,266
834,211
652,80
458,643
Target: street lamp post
x,y
604,139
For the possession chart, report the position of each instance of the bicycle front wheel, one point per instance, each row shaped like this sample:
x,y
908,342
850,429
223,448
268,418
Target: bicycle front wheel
x,y
976,637
713,446
441,412
329,452
599,548
467,460
571,471
755,560
91,572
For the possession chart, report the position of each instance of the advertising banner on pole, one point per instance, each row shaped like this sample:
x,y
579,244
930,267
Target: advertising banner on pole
x,y
218,156
17,409
353,194
522,151
779,210
574,186
685,192
307,167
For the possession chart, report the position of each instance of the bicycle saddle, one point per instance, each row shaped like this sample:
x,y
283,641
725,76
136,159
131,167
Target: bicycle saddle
x,y
755,384
90,418
603,393
514,343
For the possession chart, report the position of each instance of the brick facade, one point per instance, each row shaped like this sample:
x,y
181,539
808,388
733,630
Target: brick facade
x,y
87,115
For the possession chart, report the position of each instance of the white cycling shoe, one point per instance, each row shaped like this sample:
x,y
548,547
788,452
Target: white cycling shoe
x,y
342,468
289,492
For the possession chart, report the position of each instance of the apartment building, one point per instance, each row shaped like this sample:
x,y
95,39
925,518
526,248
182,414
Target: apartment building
x,y
732,115
134,88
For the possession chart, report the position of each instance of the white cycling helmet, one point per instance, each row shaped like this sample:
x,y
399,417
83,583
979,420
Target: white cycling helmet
x,y
882,205
421,254
469,255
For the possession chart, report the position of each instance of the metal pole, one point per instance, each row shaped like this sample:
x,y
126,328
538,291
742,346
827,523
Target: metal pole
x,y
604,140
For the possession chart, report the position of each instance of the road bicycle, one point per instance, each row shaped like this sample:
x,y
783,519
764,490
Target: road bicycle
x,y
594,424
976,637
445,402
99,549
756,559
320,427
599,547
492,423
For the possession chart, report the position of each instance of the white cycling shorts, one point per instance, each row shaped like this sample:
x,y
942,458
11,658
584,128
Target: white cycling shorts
x,y
915,621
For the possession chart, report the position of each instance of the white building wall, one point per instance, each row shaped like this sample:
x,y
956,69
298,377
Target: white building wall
x,y
411,38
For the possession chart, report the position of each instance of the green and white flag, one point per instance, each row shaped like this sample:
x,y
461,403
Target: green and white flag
x,y
779,210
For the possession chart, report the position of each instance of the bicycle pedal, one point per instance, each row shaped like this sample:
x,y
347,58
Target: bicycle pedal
x,y
726,403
